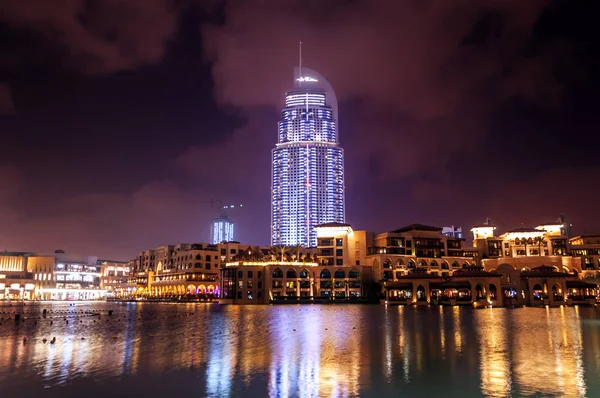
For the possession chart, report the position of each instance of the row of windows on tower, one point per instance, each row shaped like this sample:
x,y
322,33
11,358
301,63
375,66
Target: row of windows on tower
x,y
320,112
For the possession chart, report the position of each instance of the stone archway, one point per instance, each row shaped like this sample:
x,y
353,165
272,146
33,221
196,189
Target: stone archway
x,y
492,292
557,292
421,293
479,292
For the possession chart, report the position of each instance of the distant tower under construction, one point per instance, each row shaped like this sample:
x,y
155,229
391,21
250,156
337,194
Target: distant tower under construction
x,y
222,226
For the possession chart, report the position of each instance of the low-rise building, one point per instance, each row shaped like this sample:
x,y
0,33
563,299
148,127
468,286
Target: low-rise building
x,y
394,254
114,278
184,269
259,276
587,247
16,283
29,276
467,286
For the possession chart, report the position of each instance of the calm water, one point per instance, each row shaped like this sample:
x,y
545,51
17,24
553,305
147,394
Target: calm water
x,y
177,350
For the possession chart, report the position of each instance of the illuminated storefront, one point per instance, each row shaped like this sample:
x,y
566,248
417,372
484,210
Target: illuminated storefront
x,y
75,281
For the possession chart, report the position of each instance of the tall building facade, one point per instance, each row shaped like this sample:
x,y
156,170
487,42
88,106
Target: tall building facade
x,y
308,164
222,229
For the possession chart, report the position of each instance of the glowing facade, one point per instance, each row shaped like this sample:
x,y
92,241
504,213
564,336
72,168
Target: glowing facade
x,y
308,164
222,230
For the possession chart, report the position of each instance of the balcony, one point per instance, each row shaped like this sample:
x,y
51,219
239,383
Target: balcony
x,y
325,242
429,244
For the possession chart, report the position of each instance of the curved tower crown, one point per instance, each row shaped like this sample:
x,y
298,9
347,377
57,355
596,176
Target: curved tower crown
x,y
308,164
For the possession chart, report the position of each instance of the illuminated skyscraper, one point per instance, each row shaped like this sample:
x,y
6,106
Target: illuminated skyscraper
x,y
308,164
222,229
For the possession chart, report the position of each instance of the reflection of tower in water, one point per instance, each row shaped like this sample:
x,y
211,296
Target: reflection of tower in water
x,y
223,356
317,354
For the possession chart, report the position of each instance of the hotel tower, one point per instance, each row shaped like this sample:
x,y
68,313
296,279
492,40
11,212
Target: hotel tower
x,y
308,164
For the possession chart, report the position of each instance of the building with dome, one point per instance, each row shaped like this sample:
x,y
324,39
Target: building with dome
x,y
307,186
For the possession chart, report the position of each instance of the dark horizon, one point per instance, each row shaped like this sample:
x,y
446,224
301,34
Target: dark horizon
x,y
121,122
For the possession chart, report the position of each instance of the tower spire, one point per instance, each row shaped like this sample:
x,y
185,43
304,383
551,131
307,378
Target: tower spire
x,y
300,59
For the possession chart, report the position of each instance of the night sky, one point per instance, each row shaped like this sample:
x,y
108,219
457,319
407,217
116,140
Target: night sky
x,y
121,120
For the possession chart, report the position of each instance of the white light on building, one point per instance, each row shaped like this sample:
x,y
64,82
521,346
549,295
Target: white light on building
x,y
307,163
222,230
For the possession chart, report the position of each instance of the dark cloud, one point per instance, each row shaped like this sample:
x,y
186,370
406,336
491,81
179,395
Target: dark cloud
x,y
449,112
426,73
98,36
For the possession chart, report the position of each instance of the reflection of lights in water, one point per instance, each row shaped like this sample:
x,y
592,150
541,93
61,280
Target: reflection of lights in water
x,y
50,353
493,349
128,346
458,340
556,361
578,353
294,362
312,361
222,359
387,347
568,354
442,332
404,345
66,349
504,352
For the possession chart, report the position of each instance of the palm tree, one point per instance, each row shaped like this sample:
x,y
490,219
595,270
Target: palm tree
x,y
540,241
298,251
279,250
523,242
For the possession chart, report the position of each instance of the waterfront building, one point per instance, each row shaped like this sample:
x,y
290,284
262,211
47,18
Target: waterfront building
x,y
75,278
467,286
307,187
525,248
394,254
539,266
15,282
114,278
259,276
587,247
182,269
41,268
417,264
29,276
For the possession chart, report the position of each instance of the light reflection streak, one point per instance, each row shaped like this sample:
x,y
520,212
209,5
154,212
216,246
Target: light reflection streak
x,y
387,349
493,352
129,343
222,359
404,345
556,360
442,332
322,357
458,332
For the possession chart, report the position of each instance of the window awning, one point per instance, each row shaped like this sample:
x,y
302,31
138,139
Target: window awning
x,y
455,285
581,285
398,285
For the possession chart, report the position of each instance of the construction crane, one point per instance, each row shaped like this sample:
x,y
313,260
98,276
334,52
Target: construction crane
x,y
225,207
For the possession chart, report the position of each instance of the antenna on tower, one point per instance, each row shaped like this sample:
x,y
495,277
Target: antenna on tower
x,y
300,59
